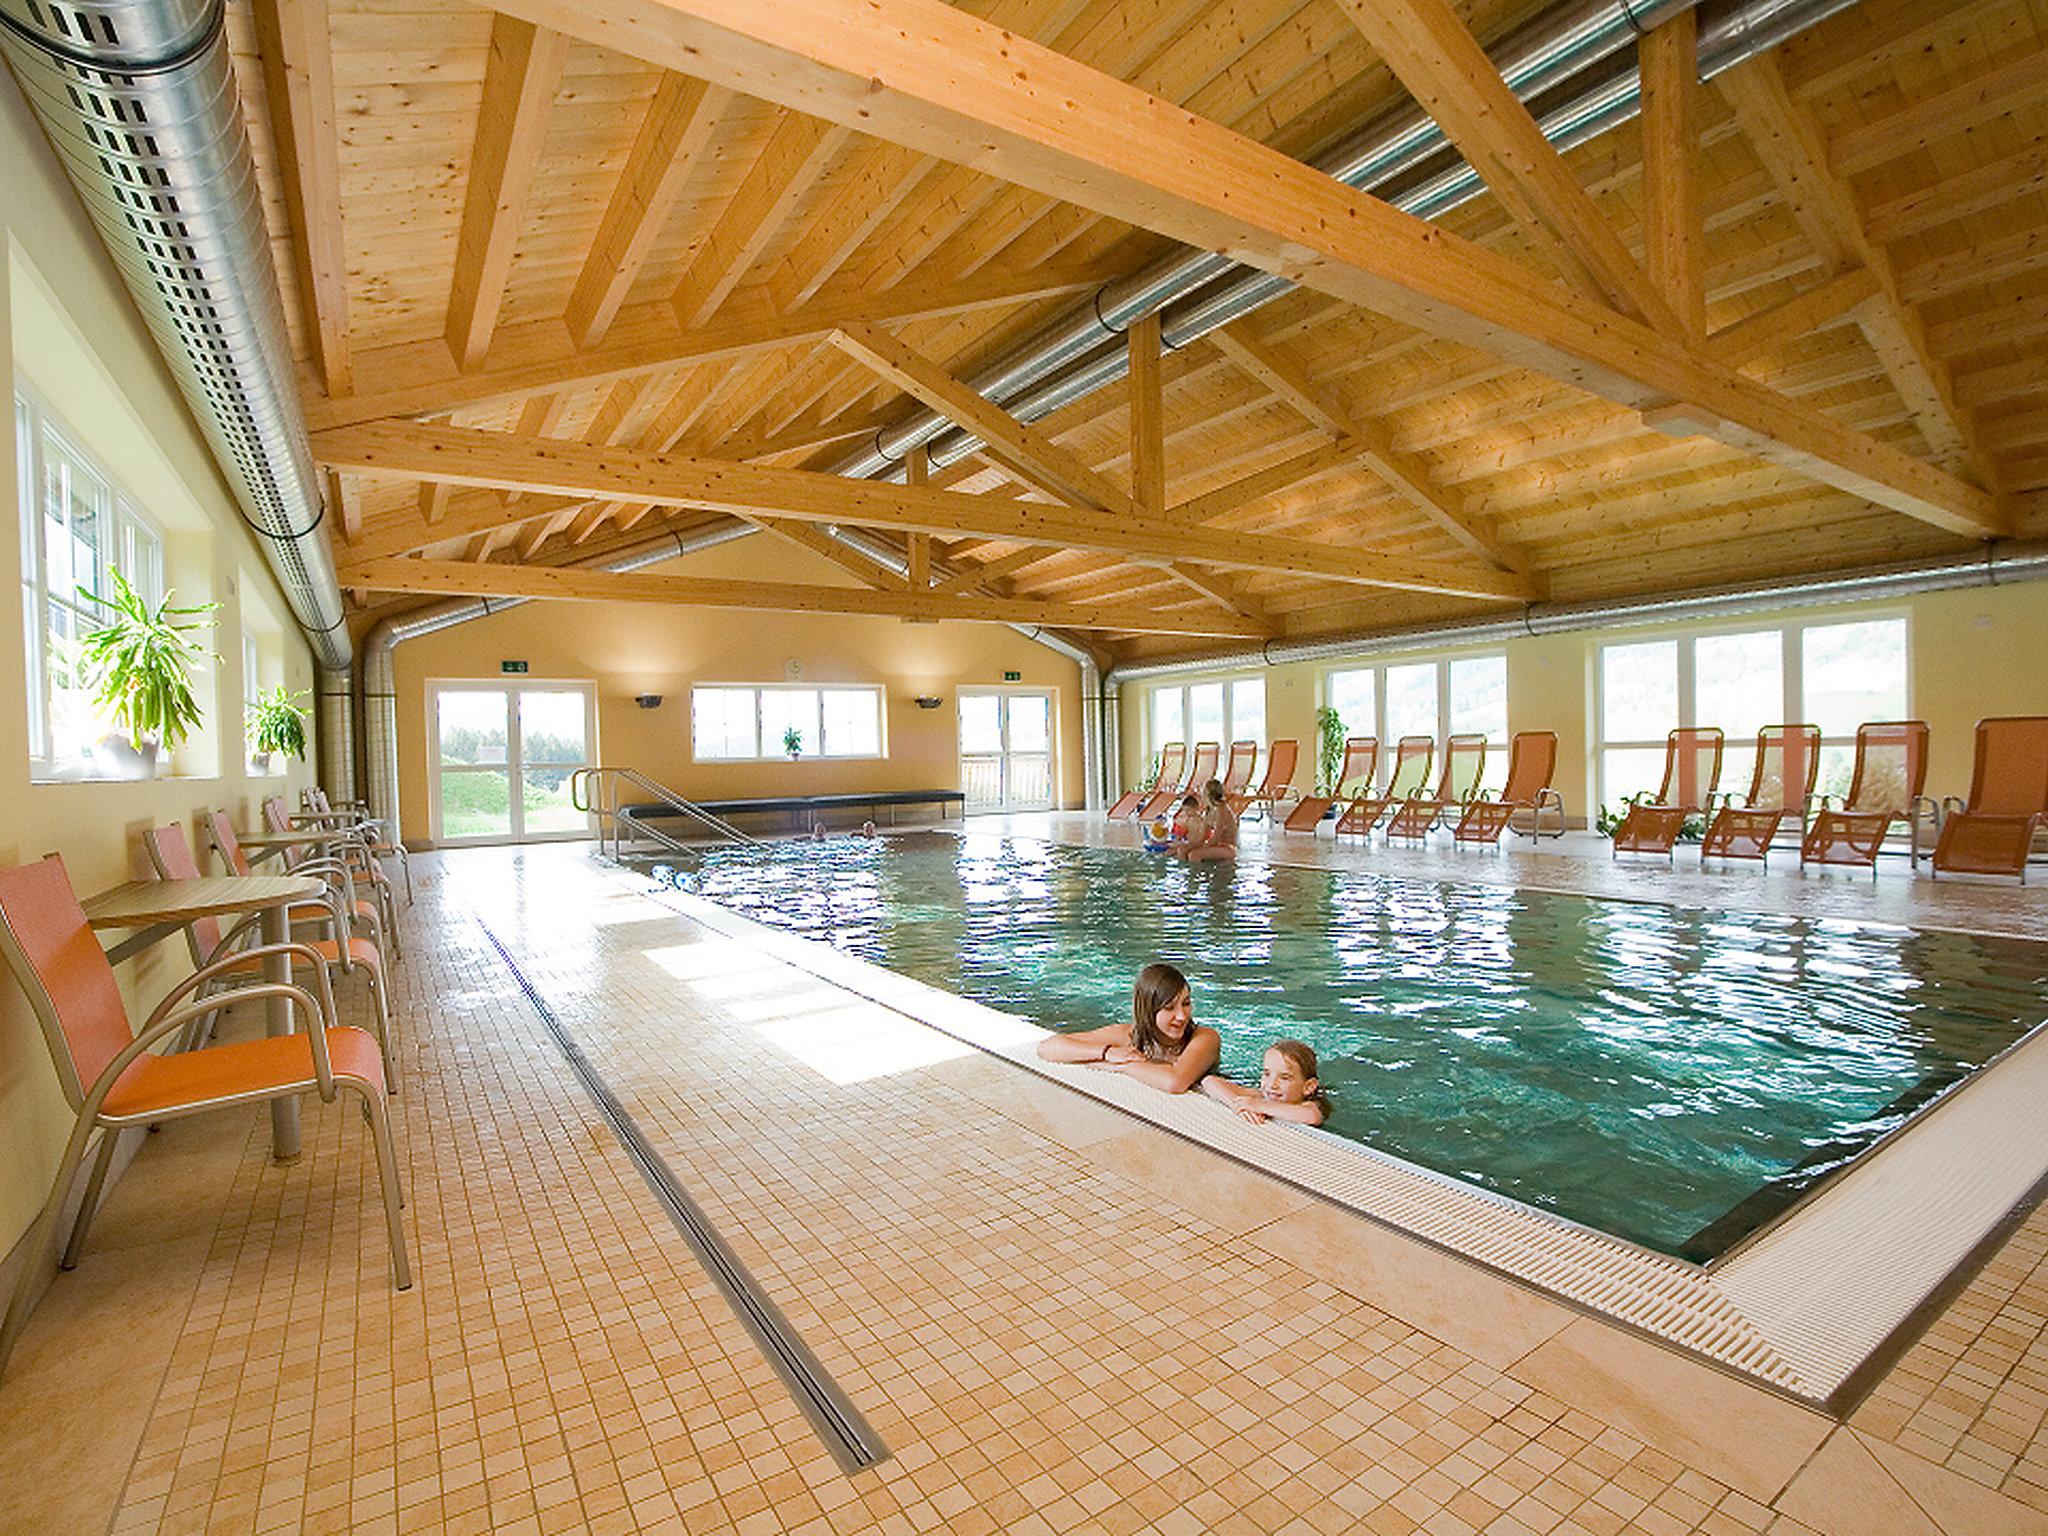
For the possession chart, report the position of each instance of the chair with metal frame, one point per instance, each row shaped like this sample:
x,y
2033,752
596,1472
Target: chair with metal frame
x,y
1884,789
379,837
352,850
1282,758
1171,783
1464,767
1692,772
1413,758
1237,769
1201,769
1993,832
1780,785
1532,763
112,1081
1361,758
375,915
1172,757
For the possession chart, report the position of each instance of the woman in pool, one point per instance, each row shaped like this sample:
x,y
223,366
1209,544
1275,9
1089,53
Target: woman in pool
x,y
1214,835
1162,1047
1288,1089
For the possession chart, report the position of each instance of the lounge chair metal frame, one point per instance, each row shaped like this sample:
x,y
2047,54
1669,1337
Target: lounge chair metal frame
x,y
1993,832
1748,830
1282,758
1132,801
1654,826
1169,786
1361,760
1413,758
1867,814
1528,789
1237,771
1464,766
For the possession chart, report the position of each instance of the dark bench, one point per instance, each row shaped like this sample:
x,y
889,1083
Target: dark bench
x,y
800,806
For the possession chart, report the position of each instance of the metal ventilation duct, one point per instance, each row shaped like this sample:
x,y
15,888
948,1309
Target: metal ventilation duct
x,y
139,100
1575,65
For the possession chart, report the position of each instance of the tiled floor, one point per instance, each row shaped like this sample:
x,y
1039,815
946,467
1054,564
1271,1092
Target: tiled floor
x,y
1057,1318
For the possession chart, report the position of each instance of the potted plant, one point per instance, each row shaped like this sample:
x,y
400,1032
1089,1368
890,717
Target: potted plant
x,y
143,657
792,742
276,723
1329,749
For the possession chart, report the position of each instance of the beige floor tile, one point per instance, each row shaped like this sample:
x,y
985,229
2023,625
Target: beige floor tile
x,y
1959,1506
1058,1114
1843,1491
1226,1195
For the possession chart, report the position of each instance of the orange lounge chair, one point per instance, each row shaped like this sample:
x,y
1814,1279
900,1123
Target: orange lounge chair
x,y
1994,833
1278,784
1361,757
112,1081
1884,788
1200,772
1413,756
1167,786
1781,785
1692,770
1464,767
1532,763
1172,758
1237,773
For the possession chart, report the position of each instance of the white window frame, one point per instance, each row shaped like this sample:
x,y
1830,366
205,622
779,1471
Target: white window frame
x,y
1496,750
811,753
515,764
1792,705
1231,732
127,529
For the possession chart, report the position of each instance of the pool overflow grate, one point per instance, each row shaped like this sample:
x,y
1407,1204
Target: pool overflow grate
x,y
853,1442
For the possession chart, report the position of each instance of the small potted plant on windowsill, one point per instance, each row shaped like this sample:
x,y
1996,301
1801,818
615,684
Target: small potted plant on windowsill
x,y
276,724
793,742
143,657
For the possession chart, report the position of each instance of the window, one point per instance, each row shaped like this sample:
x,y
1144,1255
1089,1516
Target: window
x,y
1834,675
1465,695
1222,712
76,530
530,737
749,724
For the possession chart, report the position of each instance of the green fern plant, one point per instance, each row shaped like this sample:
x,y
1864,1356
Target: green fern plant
x,y
276,723
144,657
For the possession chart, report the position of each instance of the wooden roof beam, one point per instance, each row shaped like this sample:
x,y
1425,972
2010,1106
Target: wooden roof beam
x,y
297,46
1430,50
1789,143
966,577
539,581
930,76
1220,589
1674,226
520,81
462,456
795,152
679,122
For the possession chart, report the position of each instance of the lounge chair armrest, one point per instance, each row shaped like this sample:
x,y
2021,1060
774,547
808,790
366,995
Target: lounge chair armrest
x,y
164,1023
239,959
1950,804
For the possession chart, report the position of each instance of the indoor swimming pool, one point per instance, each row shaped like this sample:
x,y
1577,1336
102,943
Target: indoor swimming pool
x,y
1676,1077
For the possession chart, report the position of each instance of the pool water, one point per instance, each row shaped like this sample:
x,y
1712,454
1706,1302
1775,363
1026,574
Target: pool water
x,y
1671,1076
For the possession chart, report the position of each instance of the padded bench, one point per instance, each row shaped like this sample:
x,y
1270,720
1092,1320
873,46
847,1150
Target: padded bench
x,y
800,807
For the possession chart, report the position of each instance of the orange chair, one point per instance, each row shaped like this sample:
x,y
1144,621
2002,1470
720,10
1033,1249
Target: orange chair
x,y
1170,785
112,1081
1781,785
1884,789
1200,772
1172,757
1412,758
373,915
1237,772
377,838
354,853
1532,763
218,953
1993,834
1277,785
1361,757
1464,767
1692,770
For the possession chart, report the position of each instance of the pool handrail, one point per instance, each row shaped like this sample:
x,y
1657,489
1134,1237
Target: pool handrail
x,y
595,790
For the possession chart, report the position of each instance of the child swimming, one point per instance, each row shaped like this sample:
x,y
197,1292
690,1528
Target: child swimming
x,y
1162,1047
1288,1088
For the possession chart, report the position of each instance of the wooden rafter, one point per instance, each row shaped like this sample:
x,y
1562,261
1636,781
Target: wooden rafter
x,y
923,74
534,358
1674,230
1786,139
519,88
298,80
917,549
968,576
679,120
462,577
1148,416
344,503
796,151
814,538
1220,588
1021,449
1764,332
465,457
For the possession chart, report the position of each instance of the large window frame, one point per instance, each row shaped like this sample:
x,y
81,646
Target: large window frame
x,y
768,720
48,457
1177,700
1791,706
1453,712
516,763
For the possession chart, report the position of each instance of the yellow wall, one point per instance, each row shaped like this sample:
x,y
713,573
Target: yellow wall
x,y
94,363
634,648
1975,652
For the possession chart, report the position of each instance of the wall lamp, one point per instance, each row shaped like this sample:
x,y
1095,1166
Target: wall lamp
x,y
647,700
928,701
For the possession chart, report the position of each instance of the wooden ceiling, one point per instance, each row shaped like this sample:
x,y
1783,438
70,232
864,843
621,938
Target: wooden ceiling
x,y
547,297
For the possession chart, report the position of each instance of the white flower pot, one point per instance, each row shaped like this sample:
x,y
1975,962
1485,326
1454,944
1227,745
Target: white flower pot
x,y
117,758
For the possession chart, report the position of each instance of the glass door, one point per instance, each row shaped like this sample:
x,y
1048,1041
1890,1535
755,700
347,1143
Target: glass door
x,y
491,738
1006,750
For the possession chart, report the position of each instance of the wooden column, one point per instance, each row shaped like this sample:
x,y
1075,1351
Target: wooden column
x,y
917,471
1673,229
1148,430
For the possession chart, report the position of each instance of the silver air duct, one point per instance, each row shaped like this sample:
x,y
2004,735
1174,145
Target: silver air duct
x,y
379,691
1402,156
1991,565
139,100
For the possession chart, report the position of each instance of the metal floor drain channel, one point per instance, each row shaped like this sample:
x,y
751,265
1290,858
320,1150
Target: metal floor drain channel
x,y
853,1442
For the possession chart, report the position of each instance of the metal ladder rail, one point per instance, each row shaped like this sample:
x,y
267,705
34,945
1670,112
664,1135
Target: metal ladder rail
x,y
597,789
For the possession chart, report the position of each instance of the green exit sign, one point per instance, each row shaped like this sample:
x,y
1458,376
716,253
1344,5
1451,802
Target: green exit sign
x,y
511,666
1013,677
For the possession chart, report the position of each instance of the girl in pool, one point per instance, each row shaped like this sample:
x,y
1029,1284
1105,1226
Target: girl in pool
x,y
1213,834
1288,1089
1162,1047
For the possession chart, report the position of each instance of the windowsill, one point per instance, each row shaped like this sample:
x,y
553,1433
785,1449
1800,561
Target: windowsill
x,y
41,776
848,757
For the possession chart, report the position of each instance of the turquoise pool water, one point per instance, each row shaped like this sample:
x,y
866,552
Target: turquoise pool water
x,y
1675,1077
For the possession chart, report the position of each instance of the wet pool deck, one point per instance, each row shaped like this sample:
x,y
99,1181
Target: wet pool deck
x,y
1058,1318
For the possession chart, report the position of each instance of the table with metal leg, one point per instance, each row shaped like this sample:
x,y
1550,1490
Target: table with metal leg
x,y
161,907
